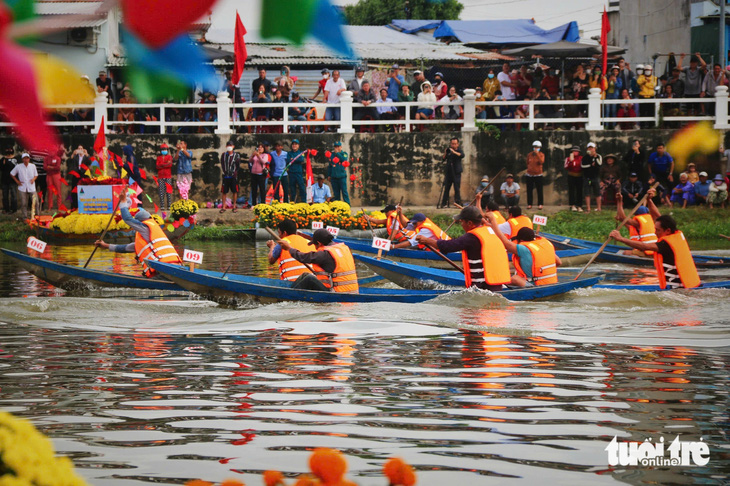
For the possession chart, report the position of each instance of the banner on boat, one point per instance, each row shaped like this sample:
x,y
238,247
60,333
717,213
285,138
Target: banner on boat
x,y
98,199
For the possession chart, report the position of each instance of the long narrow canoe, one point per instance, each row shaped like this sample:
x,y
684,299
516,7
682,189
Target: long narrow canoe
x,y
615,253
232,289
723,284
570,257
415,276
73,278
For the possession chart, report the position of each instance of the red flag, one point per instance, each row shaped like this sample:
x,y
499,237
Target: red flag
x,y
143,173
605,29
100,143
239,51
310,177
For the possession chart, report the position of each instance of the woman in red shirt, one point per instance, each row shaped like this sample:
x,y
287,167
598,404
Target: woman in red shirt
x,y
164,178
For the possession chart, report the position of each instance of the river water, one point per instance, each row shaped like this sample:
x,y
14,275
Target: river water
x,y
469,388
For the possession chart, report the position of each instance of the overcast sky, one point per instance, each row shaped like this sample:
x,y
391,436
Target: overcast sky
x,y
547,13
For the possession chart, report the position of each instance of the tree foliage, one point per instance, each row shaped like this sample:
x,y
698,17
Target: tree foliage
x,y
382,12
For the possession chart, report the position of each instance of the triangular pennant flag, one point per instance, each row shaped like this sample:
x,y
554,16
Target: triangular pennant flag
x,y
169,188
327,27
100,143
295,25
75,190
155,179
157,208
148,197
63,208
239,51
63,181
75,174
84,166
143,173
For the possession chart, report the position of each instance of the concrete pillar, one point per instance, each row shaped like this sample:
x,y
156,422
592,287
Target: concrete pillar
x,y
594,110
470,112
224,109
721,97
346,113
100,111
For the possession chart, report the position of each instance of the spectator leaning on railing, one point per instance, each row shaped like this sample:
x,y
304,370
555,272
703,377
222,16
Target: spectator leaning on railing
x,y
693,76
711,82
356,84
491,85
394,82
332,91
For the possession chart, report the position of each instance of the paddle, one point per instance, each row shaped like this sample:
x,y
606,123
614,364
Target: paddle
x,y
444,257
479,193
103,234
368,220
605,244
278,240
724,236
392,227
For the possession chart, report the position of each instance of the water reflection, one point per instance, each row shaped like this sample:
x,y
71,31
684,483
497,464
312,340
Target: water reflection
x,y
460,406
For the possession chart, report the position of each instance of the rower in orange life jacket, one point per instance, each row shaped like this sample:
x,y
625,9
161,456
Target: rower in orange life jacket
x,y
394,222
534,257
641,226
289,268
672,257
422,226
515,222
334,267
150,241
486,265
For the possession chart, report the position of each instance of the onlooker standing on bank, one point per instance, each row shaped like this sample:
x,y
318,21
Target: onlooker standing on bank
x,y
230,162
534,176
259,166
279,177
572,165
9,187
25,176
634,160
337,164
184,158
590,167
453,157
38,158
52,166
164,178
661,164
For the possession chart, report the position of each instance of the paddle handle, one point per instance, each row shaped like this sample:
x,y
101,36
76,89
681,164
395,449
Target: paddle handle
x,y
368,221
445,258
278,240
623,223
103,234
392,228
479,193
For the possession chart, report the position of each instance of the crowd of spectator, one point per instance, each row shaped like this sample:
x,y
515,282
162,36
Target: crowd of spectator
x,y
600,178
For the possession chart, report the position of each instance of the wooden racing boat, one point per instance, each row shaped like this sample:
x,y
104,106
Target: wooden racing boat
x,y
415,276
615,253
232,289
73,278
723,284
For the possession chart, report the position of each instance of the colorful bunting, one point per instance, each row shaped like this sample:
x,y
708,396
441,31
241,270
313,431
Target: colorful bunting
x,y
63,181
59,83
148,197
157,22
317,18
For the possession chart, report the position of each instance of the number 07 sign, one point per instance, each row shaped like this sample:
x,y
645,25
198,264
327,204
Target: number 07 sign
x,y
381,244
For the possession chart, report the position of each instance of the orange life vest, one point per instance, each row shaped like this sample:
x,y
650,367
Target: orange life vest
x,y
344,278
438,233
683,262
289,268
544,268
517,223
646,231
496,269
498,216
159,248
270,193
393,225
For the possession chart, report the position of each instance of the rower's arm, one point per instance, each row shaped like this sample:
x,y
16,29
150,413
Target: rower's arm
x,y
128,248
638,245
511,246
653,210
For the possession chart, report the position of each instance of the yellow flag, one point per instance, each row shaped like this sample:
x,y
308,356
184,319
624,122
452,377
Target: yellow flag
x,y
699,138
59,83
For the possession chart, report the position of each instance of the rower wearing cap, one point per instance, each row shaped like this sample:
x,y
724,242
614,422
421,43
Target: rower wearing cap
x,y
641,226
672,257
289,268
394,222
534,257
486,265
422,226
334,267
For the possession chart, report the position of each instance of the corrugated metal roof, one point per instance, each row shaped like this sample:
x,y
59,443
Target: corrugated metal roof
x,y
66,8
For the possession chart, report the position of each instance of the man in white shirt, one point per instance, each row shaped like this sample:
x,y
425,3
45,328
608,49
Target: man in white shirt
x,y
24,176
332,90
510,191
321,192
386,112
506,84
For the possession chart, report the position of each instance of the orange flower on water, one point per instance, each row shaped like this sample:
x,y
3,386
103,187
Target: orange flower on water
x,y
306,480
232,482
328,465
273,478
399,472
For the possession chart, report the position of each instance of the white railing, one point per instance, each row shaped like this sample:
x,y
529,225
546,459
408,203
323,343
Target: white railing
x,y
591,114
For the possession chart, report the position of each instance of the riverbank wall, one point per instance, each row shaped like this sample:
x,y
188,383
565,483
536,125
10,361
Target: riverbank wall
x,y
388,166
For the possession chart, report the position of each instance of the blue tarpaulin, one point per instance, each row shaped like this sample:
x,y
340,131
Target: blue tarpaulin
x,y
413,26
504,32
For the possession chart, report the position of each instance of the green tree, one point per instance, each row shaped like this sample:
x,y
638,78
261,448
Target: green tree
x,y
382,12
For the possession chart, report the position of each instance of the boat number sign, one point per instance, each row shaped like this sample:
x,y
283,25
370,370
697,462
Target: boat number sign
x,y
317,225
540,220
381,243
192,256
36,244
333,230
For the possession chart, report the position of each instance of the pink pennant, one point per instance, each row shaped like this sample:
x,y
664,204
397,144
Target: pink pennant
x,y
157,22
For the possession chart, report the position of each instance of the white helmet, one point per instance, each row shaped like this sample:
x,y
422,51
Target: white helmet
x,y
537,143
639,66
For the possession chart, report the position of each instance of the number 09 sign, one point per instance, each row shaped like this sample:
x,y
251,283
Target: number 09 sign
x,y
193,256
